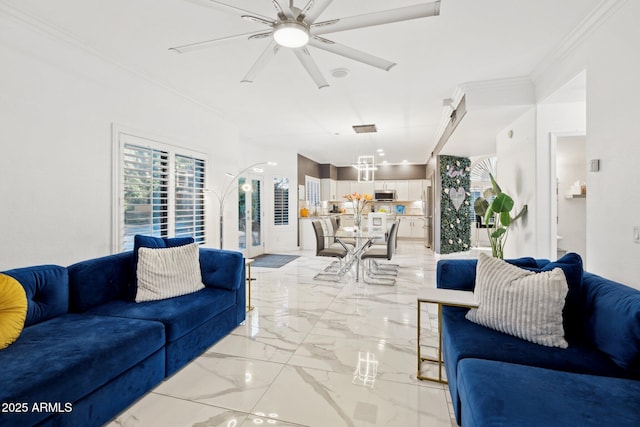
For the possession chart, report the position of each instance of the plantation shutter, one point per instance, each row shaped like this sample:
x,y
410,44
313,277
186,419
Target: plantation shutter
x,y
160,191
189,197
145,189
281,201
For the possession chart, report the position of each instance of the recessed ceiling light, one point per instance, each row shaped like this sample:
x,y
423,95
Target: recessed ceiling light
x,y
380,150
340,73
405,161
381,153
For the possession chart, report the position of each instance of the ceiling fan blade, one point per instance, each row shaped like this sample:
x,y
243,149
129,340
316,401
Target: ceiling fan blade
x,y
261,35
263,59
258,20
348,52
312,68
283,12
314,9
377,18
228,8
191,47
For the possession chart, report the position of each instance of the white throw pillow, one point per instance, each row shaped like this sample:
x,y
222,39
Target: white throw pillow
x,y
519,302
168,272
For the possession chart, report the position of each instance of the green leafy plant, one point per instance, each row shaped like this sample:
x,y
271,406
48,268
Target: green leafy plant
x,y
497,216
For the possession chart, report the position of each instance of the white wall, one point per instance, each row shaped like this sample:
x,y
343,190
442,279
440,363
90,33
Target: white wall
x,y
526,171
57,106
516,175
555,119
283,238
610,53
613,136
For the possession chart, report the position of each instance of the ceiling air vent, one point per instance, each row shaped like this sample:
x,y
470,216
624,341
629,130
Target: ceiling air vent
x,y
365,128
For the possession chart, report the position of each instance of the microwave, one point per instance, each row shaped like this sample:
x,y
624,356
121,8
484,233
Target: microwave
x,y
384,195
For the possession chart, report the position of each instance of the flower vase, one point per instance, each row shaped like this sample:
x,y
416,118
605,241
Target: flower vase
x,y
357,219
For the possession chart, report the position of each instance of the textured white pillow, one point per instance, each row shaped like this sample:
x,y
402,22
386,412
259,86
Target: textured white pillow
x,y
168,272
519,302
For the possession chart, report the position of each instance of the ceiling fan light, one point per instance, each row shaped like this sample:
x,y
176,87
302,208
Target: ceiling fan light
x,y
291,34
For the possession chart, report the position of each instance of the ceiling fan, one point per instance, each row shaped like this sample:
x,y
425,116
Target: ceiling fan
x,y
296,29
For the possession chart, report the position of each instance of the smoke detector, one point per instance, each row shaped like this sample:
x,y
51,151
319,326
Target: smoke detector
x,y
340,73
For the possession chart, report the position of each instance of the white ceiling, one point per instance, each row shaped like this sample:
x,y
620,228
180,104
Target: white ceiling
x,y
471,40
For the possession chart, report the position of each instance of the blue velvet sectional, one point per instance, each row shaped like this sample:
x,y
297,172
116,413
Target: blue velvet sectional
x,y
88,350
499,380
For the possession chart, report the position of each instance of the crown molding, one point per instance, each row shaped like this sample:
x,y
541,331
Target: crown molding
x,y
494,84
10,9
577,36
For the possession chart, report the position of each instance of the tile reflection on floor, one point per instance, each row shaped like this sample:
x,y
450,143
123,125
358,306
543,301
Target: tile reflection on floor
x,y
312,353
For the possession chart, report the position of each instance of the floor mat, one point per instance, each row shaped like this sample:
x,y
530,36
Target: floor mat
x,y
273,260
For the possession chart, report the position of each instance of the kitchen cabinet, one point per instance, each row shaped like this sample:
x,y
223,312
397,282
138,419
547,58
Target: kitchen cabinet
x,y
329,189
411,227
416,189
306,234
362,187
342,188
385,185
402,190
406,190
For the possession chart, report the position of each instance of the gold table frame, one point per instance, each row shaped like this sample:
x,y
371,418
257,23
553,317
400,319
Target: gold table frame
x,y
247,264
448,297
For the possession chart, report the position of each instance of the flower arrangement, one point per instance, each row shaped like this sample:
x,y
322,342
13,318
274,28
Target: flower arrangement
x,y
359,202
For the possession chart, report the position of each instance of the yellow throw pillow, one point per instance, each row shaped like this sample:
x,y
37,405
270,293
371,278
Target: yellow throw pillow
x,y
13,310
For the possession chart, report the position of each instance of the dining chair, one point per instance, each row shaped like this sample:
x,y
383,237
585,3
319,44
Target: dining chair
x,y
333,271
345,240
374,252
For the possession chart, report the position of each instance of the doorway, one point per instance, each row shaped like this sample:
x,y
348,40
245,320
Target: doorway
x,y
250,227
571,178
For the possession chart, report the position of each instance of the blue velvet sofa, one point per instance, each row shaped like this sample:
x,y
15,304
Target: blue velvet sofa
x,y
497,379
88,350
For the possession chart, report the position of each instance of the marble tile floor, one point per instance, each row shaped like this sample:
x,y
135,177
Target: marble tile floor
x,y
313,353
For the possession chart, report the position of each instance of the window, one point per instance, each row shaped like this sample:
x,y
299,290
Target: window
x,y
313,191
281,201
160,191
189,197
475,193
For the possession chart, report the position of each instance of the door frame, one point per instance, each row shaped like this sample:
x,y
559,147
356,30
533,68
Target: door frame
x,y
553,189
250,251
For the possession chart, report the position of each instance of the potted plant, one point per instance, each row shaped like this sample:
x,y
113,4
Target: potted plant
x,y
497,216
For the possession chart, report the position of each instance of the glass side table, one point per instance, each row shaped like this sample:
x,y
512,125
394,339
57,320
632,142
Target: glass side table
x,y
449,297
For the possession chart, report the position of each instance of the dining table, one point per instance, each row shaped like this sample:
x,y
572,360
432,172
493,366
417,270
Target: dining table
x,y
362,237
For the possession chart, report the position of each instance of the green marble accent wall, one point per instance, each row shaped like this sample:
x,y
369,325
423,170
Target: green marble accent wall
x,y
455,199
